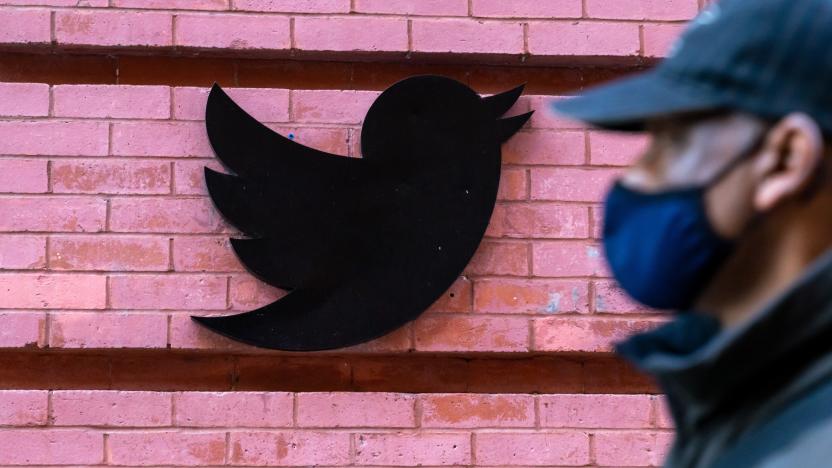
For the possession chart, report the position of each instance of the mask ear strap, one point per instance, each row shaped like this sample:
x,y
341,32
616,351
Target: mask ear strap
x,y
747,152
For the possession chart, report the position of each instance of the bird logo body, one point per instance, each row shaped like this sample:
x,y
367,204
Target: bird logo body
x,y
363,245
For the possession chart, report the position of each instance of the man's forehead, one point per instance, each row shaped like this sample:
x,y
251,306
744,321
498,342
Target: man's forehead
x,y
710,120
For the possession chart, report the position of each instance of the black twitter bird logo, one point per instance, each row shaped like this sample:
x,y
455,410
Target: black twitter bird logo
x,y
363,244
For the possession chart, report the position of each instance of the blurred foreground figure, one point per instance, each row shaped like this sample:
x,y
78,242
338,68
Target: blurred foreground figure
x,y
726,220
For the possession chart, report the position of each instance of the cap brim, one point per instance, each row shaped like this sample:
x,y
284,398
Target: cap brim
x,y
627,103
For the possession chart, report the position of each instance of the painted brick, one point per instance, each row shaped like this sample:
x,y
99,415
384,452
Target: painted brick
x,y
32,291
160,139
642,9
631,448
565,258
658,38
53,137
331,106
293,6
249,293
330,140
22,329
107,408
343,34
413,449
181,292
545,117
113,253
597,215
237,409
52,214
202,5
513,184
467,36
23,407
568,184
364,409
539,220
664,418
204,254
23,99
609,298
583,334
539,448
616,148
246,32
527,8
65,3
23,252
189,175
265,105
23,176
409,7
456,299
554,148
167,448
113,28
111,176
588,411
28,27
78,330
536,296
191,215
140,102
500,258
471,333
290,448
580,38
50,447
187,334
472,410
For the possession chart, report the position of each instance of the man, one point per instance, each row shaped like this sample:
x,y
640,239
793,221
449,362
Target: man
x,y
726,219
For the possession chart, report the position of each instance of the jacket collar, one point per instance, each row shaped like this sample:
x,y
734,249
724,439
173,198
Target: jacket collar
x,y
705,369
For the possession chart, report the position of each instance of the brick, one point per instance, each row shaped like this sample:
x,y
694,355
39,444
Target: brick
x,y
597,216
23,407
32,291
23,176
53,137
609,298
52,214
581,38
28,27
113,253
110,408
474,411
409,7
631,448
81,330
51,447
329,140
187,334
527,9
397,341
265,105
568,184
500,258
351,34
616,148
552,148
207,372
535,296
331,106
591,411
111,177
663,10
538,448
664,418
583,334
248,293
22,329
167,448
449,332
23,252
65,3
364,409
565,258
658,38
293,6
113,28
189,176
160,139
23,99
456,299
466,36
180,292
244,32
237,409
413,449
204,254
202,5
189,215
545,117
539,220
290,448
513,184
139,102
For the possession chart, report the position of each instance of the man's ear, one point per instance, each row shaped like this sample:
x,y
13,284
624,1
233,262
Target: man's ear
x,y
791,153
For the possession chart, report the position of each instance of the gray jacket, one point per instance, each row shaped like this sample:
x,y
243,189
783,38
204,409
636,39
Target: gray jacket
x,y
758,395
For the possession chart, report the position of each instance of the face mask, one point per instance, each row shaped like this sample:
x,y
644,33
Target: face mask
x,y
661,246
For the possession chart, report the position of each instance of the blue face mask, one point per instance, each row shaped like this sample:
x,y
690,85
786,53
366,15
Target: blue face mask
x,y
661,246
